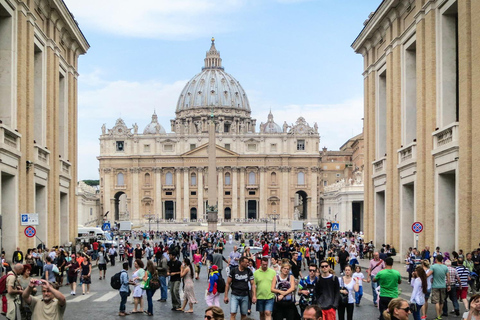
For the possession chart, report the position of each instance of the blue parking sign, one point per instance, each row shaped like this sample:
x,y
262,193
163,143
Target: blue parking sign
x,y
24,217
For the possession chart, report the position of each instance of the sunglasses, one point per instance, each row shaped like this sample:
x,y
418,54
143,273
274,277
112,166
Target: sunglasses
x,y
324,266
312,270
208,317
407,309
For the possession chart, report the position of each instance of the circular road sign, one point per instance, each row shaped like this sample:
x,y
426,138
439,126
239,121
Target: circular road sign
x,y
417,227
30,231
329,224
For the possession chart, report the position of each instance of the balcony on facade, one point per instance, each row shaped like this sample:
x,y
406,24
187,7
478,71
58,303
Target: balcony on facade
x,y
445,140
251,186
379,166
65,168
121,187
407,155
9,140
42,156
168,187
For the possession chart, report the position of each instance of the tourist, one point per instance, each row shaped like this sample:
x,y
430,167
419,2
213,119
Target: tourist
x,y
188,274
138,290
439,287
348,286
238,280
197,262
376,264
52,304
24,281
174,270
306,288
72,272
464,276
358,275
398,309
455,284
388,279
312,312
162,270
214,313
150,273
473,311
420,288
213,296
283,286
263,278
86,279
124,290
426,268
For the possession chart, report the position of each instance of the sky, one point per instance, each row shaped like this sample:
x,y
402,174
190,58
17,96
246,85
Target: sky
x,y
292,57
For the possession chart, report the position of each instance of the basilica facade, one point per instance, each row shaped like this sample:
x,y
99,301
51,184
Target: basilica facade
x,y
152,173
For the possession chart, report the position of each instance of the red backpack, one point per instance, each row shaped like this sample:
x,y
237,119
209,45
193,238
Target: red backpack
x,y
3,283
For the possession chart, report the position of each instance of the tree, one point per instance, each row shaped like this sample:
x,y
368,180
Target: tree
x,y
92,183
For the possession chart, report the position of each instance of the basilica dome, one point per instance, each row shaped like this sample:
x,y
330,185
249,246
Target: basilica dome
x,y
154,127
213,87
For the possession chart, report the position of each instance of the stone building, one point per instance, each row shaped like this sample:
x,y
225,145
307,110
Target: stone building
x,y
88,205
40,43
420,66
275,170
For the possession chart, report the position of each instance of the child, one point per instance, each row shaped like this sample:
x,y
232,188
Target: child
x,y
358,274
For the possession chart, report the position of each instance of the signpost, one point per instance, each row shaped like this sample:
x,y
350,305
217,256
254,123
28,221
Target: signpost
x,y
417,227
29,219
335,226
30,231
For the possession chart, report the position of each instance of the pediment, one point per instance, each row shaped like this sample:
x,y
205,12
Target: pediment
x,y
202,151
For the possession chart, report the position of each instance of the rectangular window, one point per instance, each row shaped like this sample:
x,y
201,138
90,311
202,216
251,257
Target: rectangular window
x,y
227,146
300,145
7,101
251,193
409,118
227,193
449,106
146,148
193,193
168,193
273,147
252,147
325,183
381,126
168,147
120,146
192,146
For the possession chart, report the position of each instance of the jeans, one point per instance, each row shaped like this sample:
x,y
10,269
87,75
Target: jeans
x,y
130,262
163,287
174,287
416,314
123,301
359,295
150,294
452,295
374,287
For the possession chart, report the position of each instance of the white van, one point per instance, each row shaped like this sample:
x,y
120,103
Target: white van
x,y
91,232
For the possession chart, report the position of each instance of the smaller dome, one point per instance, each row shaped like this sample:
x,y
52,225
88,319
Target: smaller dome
x,y
154,127
270,126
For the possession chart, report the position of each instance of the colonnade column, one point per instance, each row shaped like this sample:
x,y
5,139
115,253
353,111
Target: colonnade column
x,y
186,193
158,193
263,194
220,195
242,194
200,193
178,194
284,211
135,195
235,214
313,213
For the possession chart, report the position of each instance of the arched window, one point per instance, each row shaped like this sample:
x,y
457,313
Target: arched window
x,y
251,177
169,179
273,178
147,178
193,179
227,179
120,180
301,178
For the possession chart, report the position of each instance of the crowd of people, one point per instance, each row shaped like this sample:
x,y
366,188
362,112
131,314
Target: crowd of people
x,y
285,275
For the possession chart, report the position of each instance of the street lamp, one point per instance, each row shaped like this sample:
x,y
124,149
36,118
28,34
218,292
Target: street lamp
x,y
274,217
149,217
266,224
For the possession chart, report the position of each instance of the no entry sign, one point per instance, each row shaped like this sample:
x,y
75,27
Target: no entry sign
x,y
417,227
30,231
329,224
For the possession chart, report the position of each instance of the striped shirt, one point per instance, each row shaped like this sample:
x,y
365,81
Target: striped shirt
x,y
464,274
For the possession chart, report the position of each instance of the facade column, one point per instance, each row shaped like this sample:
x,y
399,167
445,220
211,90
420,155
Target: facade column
x,y
200,193
221,214
186,193
242,194
313,210
158,193
178,194
263,194
107,185
284,210
135,195
235,212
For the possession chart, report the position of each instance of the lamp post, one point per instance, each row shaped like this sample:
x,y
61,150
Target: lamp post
x,y
149,217
274,216
266,224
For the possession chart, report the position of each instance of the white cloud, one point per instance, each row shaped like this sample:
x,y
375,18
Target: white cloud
x,y
164,19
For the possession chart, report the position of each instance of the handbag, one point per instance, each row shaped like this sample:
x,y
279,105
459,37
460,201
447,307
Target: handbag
x,y
55,269
343,296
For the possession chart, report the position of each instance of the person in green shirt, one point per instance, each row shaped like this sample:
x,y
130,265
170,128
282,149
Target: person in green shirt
x,y
263,278
439,286
388,280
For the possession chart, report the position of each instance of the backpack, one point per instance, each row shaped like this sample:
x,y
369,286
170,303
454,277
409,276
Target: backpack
x,y
3,283
220,284
115,281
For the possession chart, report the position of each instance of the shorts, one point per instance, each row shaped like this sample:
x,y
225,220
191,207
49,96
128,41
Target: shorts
x,y
427,295
438,295
102,266
265,305
462,293
239,301
72,279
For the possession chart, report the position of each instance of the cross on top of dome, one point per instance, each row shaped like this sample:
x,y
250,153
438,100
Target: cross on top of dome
x,y
213,60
